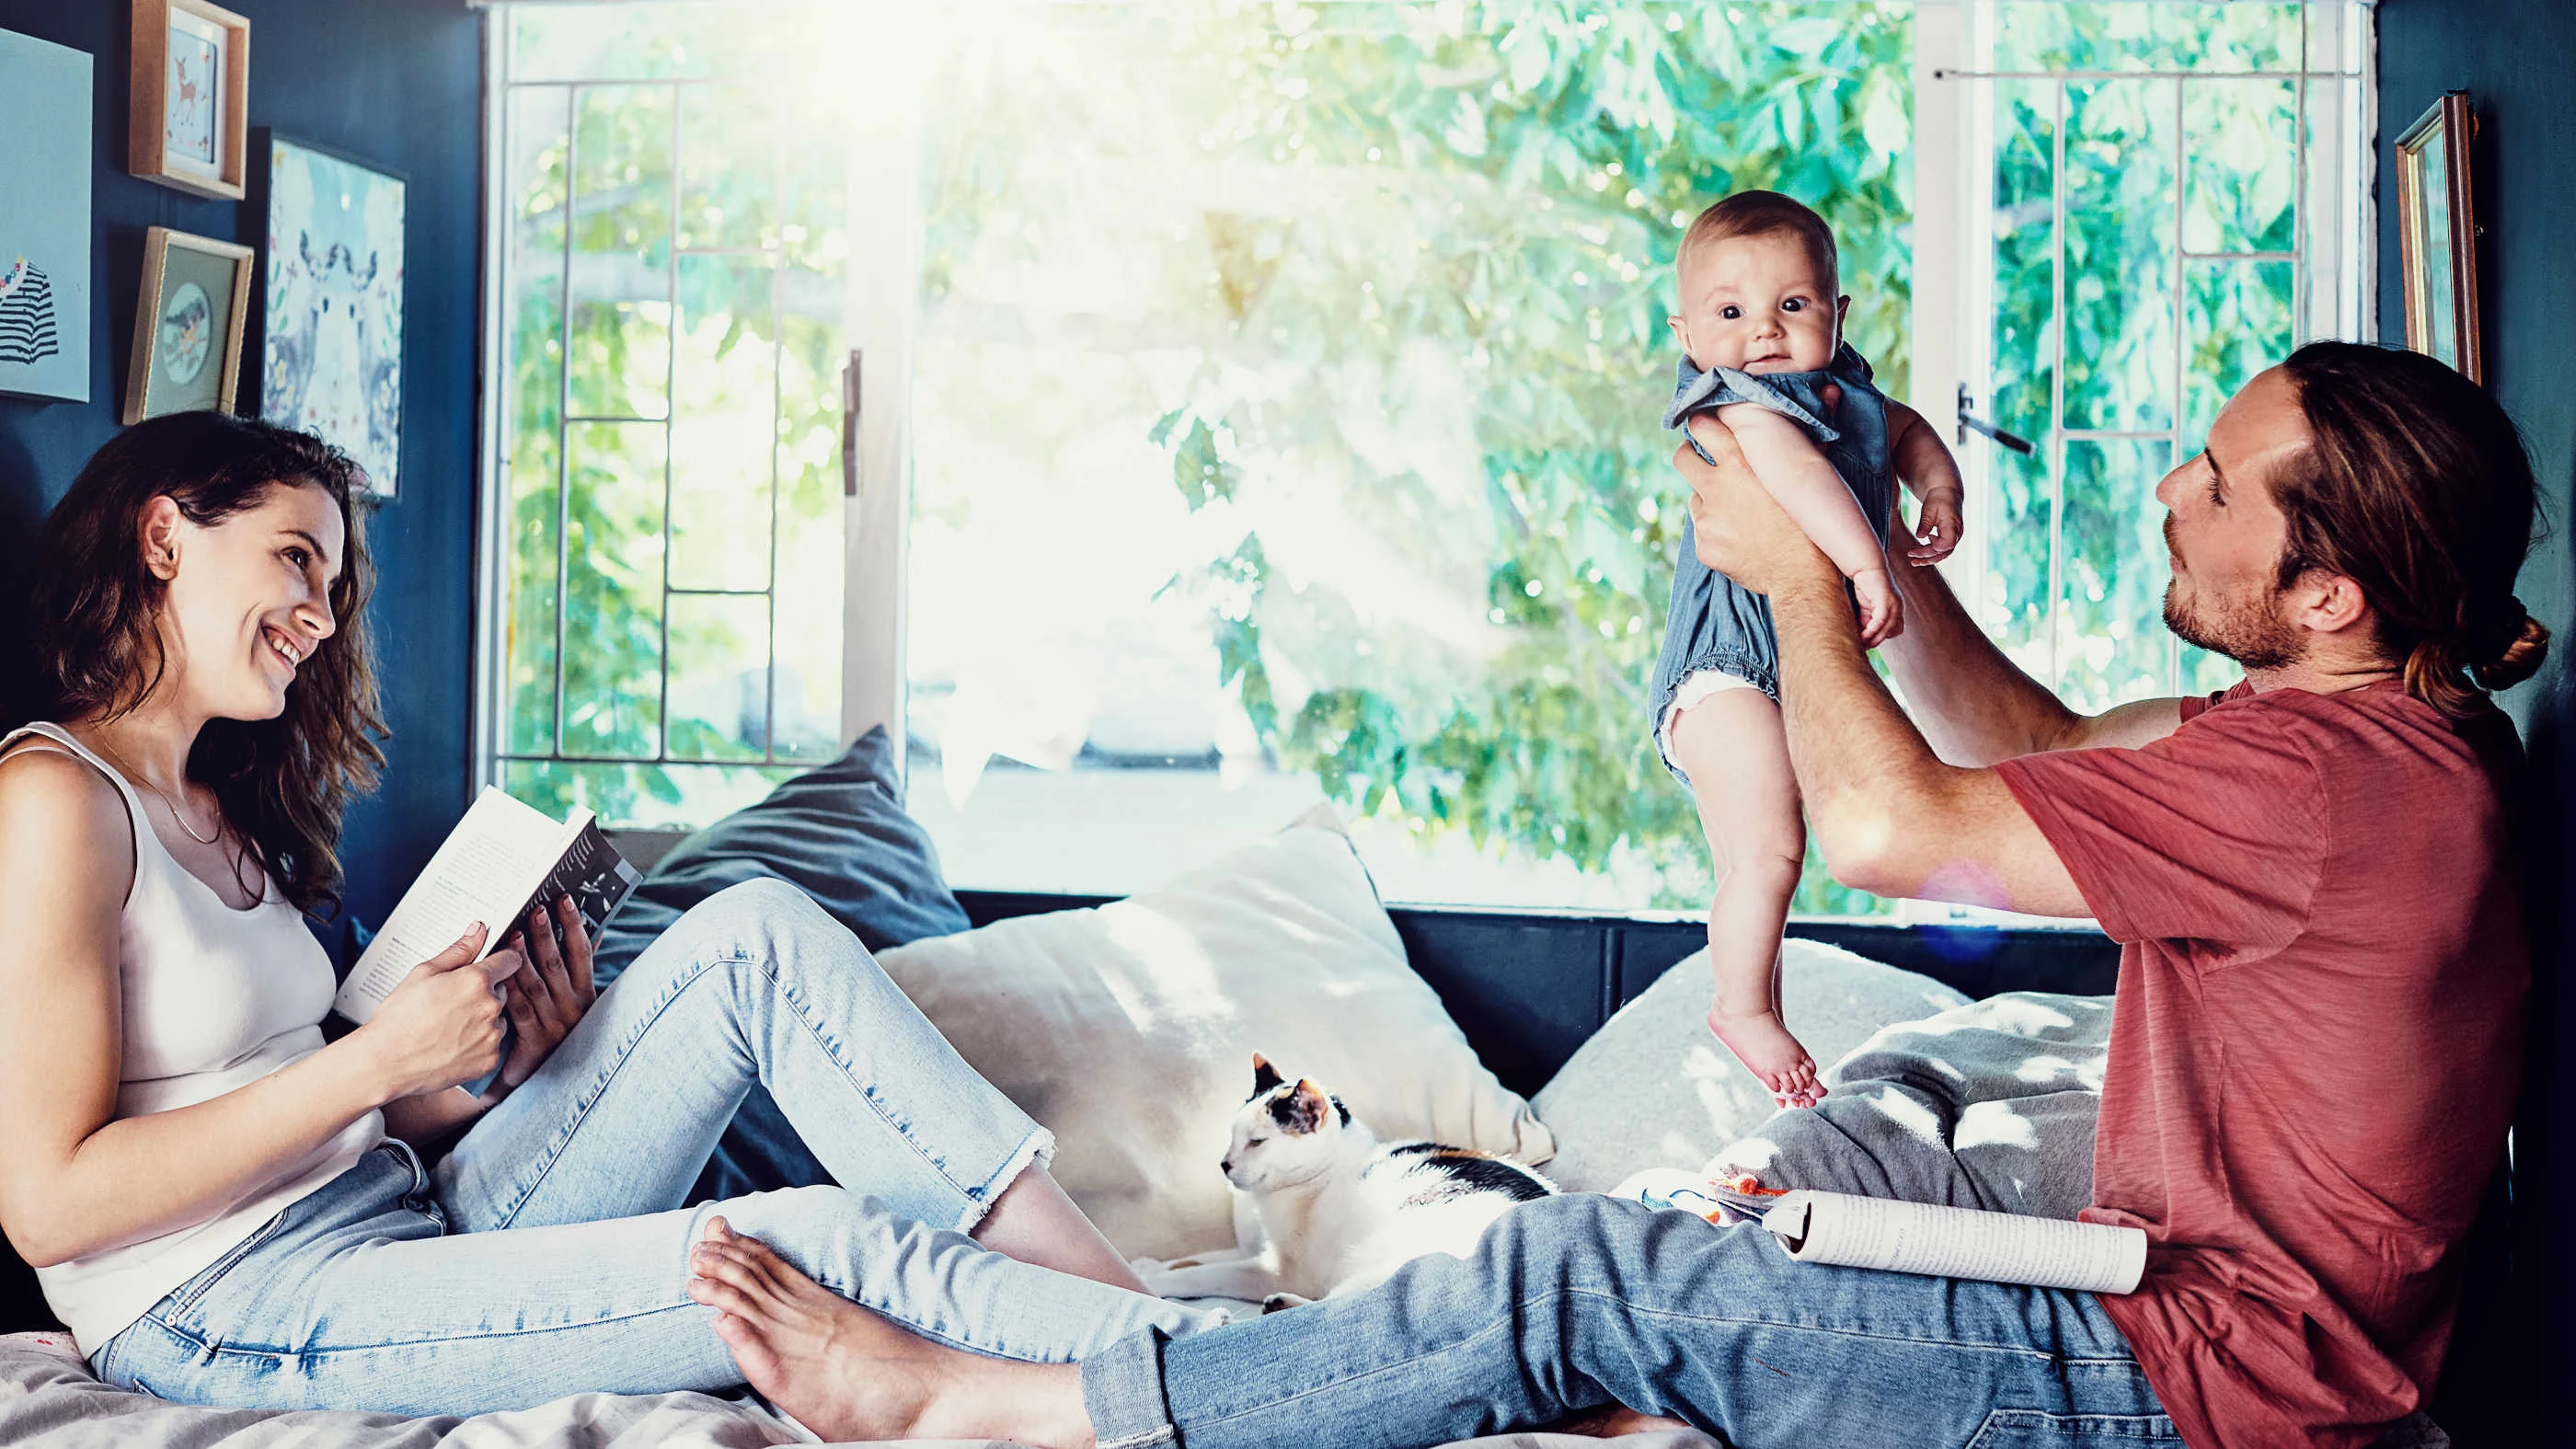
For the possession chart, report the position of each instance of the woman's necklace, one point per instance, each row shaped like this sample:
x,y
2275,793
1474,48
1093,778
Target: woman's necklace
x,y
171,804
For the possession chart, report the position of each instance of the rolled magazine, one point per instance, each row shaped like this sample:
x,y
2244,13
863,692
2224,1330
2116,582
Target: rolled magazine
x,y
1949,1242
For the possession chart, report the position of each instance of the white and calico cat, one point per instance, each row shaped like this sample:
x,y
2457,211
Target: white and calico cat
x,y
1338,1210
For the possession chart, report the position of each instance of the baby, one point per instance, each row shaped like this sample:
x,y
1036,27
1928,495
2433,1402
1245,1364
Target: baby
x,y
1761,324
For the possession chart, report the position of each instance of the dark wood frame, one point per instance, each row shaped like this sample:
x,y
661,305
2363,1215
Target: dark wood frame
x,y
2449,123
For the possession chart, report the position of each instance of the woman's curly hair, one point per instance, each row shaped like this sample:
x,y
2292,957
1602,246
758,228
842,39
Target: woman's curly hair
x,y
94,609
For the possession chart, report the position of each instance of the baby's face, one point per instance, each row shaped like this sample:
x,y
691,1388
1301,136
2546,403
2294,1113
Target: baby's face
x,y
1758,304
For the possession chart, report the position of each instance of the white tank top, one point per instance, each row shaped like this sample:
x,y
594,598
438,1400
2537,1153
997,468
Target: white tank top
x,y
213,998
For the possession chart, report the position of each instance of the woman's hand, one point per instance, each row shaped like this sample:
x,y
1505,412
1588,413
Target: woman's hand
x,y
549,993
442,1025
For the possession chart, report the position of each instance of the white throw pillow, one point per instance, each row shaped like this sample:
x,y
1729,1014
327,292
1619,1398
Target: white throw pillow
x,y
1654,1089
1129,1030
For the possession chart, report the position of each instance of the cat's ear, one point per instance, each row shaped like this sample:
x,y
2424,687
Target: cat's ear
x,y
1264,1075
1305,1108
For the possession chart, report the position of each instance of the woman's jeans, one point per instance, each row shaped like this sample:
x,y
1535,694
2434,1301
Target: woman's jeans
x,y
1571,1303
548,1253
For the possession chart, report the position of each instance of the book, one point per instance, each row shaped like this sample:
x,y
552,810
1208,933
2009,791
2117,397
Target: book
x,y
502,859
1950,1242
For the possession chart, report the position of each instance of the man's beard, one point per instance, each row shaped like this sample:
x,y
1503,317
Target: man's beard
x,y
2247,631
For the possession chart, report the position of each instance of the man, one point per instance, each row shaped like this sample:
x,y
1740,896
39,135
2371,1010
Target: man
x,y
2312,1058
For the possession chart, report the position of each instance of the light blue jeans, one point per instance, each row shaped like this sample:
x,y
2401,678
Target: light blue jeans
x,y
548,1253
1574,1302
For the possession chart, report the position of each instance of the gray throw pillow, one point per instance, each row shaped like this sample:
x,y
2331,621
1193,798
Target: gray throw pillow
x,y
1652,1088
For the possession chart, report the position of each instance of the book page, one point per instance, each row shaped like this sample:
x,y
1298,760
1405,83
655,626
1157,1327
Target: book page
x,y
484,872
1948,1242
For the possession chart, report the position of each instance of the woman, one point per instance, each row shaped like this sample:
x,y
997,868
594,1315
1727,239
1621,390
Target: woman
x,y
227,1209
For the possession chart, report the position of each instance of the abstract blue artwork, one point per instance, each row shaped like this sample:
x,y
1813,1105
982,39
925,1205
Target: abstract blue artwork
x,y
44,219
331,363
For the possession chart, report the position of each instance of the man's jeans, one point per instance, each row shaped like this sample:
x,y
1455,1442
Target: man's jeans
x,y
1576,1302
548,1254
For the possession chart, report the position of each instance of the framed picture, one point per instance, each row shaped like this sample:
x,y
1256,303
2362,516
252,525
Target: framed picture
x,y
188,325
331,334
44,219
2437,235
190,116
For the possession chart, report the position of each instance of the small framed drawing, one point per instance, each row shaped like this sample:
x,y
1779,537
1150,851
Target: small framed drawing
x,y
2437,235
189,122
331,317
188,325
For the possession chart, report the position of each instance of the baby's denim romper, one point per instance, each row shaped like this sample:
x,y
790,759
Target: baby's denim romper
x,y
1716,623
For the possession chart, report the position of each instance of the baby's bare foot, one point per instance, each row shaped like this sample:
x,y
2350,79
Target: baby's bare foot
x,y
1770,1053
844,1372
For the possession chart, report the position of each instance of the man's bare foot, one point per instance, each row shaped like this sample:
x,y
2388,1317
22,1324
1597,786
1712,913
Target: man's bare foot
x,y
846,1373
1770,1053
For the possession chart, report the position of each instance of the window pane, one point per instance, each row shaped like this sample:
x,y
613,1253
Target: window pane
x,y
621,251
807,724
2119,254
721,439
2241,142
2238,323
731,147
539,120
719,676
612,679
1286,421
2112,643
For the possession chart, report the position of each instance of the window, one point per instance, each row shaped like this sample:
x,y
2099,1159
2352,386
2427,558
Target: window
x,y
2164,200
663,564
1261,402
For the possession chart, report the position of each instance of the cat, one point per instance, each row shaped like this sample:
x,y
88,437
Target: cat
x,y
1337,1210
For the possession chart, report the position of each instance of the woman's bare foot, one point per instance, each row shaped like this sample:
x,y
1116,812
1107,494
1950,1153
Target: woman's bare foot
x,y
846,1373
1614,1422
1769,1052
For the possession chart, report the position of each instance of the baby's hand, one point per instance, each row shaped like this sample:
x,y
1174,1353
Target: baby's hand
x,y
1936,528
1882,613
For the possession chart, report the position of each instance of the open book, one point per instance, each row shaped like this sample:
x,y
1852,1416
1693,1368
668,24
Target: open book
x,y
1949,1242
503,858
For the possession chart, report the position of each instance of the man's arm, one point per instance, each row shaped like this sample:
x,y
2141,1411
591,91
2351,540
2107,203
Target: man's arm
x,y
1978,707
1890,816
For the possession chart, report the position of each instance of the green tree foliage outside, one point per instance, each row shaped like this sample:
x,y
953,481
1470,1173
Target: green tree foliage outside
x,y
1540,157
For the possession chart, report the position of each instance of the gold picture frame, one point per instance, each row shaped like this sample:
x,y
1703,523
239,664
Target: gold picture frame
x,y
188,324
2437,235
188,119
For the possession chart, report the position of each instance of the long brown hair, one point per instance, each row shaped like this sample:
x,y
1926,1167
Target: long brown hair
x,y
284,783
2416,486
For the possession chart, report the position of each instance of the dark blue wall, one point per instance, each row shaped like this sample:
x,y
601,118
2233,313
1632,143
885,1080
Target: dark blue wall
x,y
398,83
2516,58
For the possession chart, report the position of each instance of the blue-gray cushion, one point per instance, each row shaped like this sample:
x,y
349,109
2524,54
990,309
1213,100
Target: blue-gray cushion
x,y
837,832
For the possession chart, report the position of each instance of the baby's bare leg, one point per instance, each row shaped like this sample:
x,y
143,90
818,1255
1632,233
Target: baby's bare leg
x,y
1733,748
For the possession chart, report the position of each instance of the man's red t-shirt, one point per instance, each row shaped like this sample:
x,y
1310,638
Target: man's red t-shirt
x,y
2315,1044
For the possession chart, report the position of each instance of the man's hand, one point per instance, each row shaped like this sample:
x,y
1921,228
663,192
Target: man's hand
x,y
1743,532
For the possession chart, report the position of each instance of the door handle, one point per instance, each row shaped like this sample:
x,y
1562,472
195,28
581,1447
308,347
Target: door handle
x,y
1969,422
850,425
